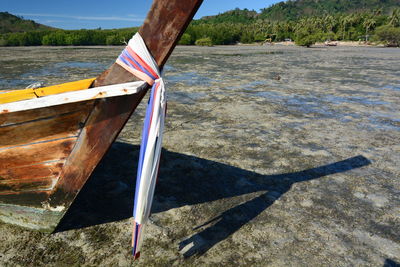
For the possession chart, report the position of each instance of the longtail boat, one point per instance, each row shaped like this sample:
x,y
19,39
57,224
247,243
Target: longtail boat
x,y
52,138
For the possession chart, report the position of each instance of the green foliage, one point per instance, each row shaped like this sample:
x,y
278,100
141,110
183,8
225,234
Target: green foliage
x,y
305,21
304,30
204,42
19,32
247,37
394,19
223,33
114,39
74,37
186,39
22,39
304,38
10,23
307,33
388,34
232,16
293,10
14,40
55,38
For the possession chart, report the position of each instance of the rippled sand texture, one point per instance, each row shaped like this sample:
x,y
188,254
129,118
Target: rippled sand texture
x,y
273,156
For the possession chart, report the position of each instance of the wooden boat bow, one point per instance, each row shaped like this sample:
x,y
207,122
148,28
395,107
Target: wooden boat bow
x,y
56,162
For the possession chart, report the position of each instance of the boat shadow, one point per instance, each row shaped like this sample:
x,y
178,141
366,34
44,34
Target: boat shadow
x,y
185,180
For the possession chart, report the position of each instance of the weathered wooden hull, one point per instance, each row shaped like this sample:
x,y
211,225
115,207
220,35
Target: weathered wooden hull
x,y
47,154
34,148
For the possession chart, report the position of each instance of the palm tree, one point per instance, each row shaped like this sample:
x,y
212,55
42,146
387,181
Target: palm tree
x,y
344,21
394,19
368,24
352,20
378,12
301,23
329,23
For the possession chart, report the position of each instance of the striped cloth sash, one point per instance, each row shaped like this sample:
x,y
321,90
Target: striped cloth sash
x,y
137,60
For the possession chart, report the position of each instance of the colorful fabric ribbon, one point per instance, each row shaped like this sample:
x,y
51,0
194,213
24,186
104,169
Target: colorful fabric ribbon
x,y
137,60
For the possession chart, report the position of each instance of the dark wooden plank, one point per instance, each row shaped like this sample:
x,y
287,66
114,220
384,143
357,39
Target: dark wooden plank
x,y
40,170
23,185
28,199
41,113
36,153
62,126
163,27
100,132
165,24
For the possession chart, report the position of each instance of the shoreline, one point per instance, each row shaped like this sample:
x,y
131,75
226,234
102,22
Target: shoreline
x,y
322,44
318,44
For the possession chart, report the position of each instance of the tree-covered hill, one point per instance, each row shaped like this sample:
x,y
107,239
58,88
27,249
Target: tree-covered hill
x,y
10,23
16,31
235,16
291,10
304,21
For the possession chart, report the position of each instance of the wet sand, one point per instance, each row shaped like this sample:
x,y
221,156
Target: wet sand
x,y
273,156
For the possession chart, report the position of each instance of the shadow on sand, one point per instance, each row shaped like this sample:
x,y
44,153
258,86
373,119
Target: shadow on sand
x,y
185,180
390,263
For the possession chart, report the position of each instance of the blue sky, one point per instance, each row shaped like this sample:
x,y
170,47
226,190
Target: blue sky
x,y
89,14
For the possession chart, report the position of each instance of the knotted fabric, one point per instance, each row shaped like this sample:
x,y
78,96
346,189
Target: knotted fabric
x,y
137,60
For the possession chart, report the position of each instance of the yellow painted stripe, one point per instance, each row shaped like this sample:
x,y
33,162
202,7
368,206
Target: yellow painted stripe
x,y
18,95
64,87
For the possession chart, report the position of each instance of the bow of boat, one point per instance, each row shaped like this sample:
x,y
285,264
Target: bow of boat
x,y
51,139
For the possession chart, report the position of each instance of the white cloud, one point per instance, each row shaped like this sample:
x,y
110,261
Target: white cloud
x,y
53,21
100,18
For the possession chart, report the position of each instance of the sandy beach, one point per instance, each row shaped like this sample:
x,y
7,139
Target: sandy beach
x,y
273,156
338,43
